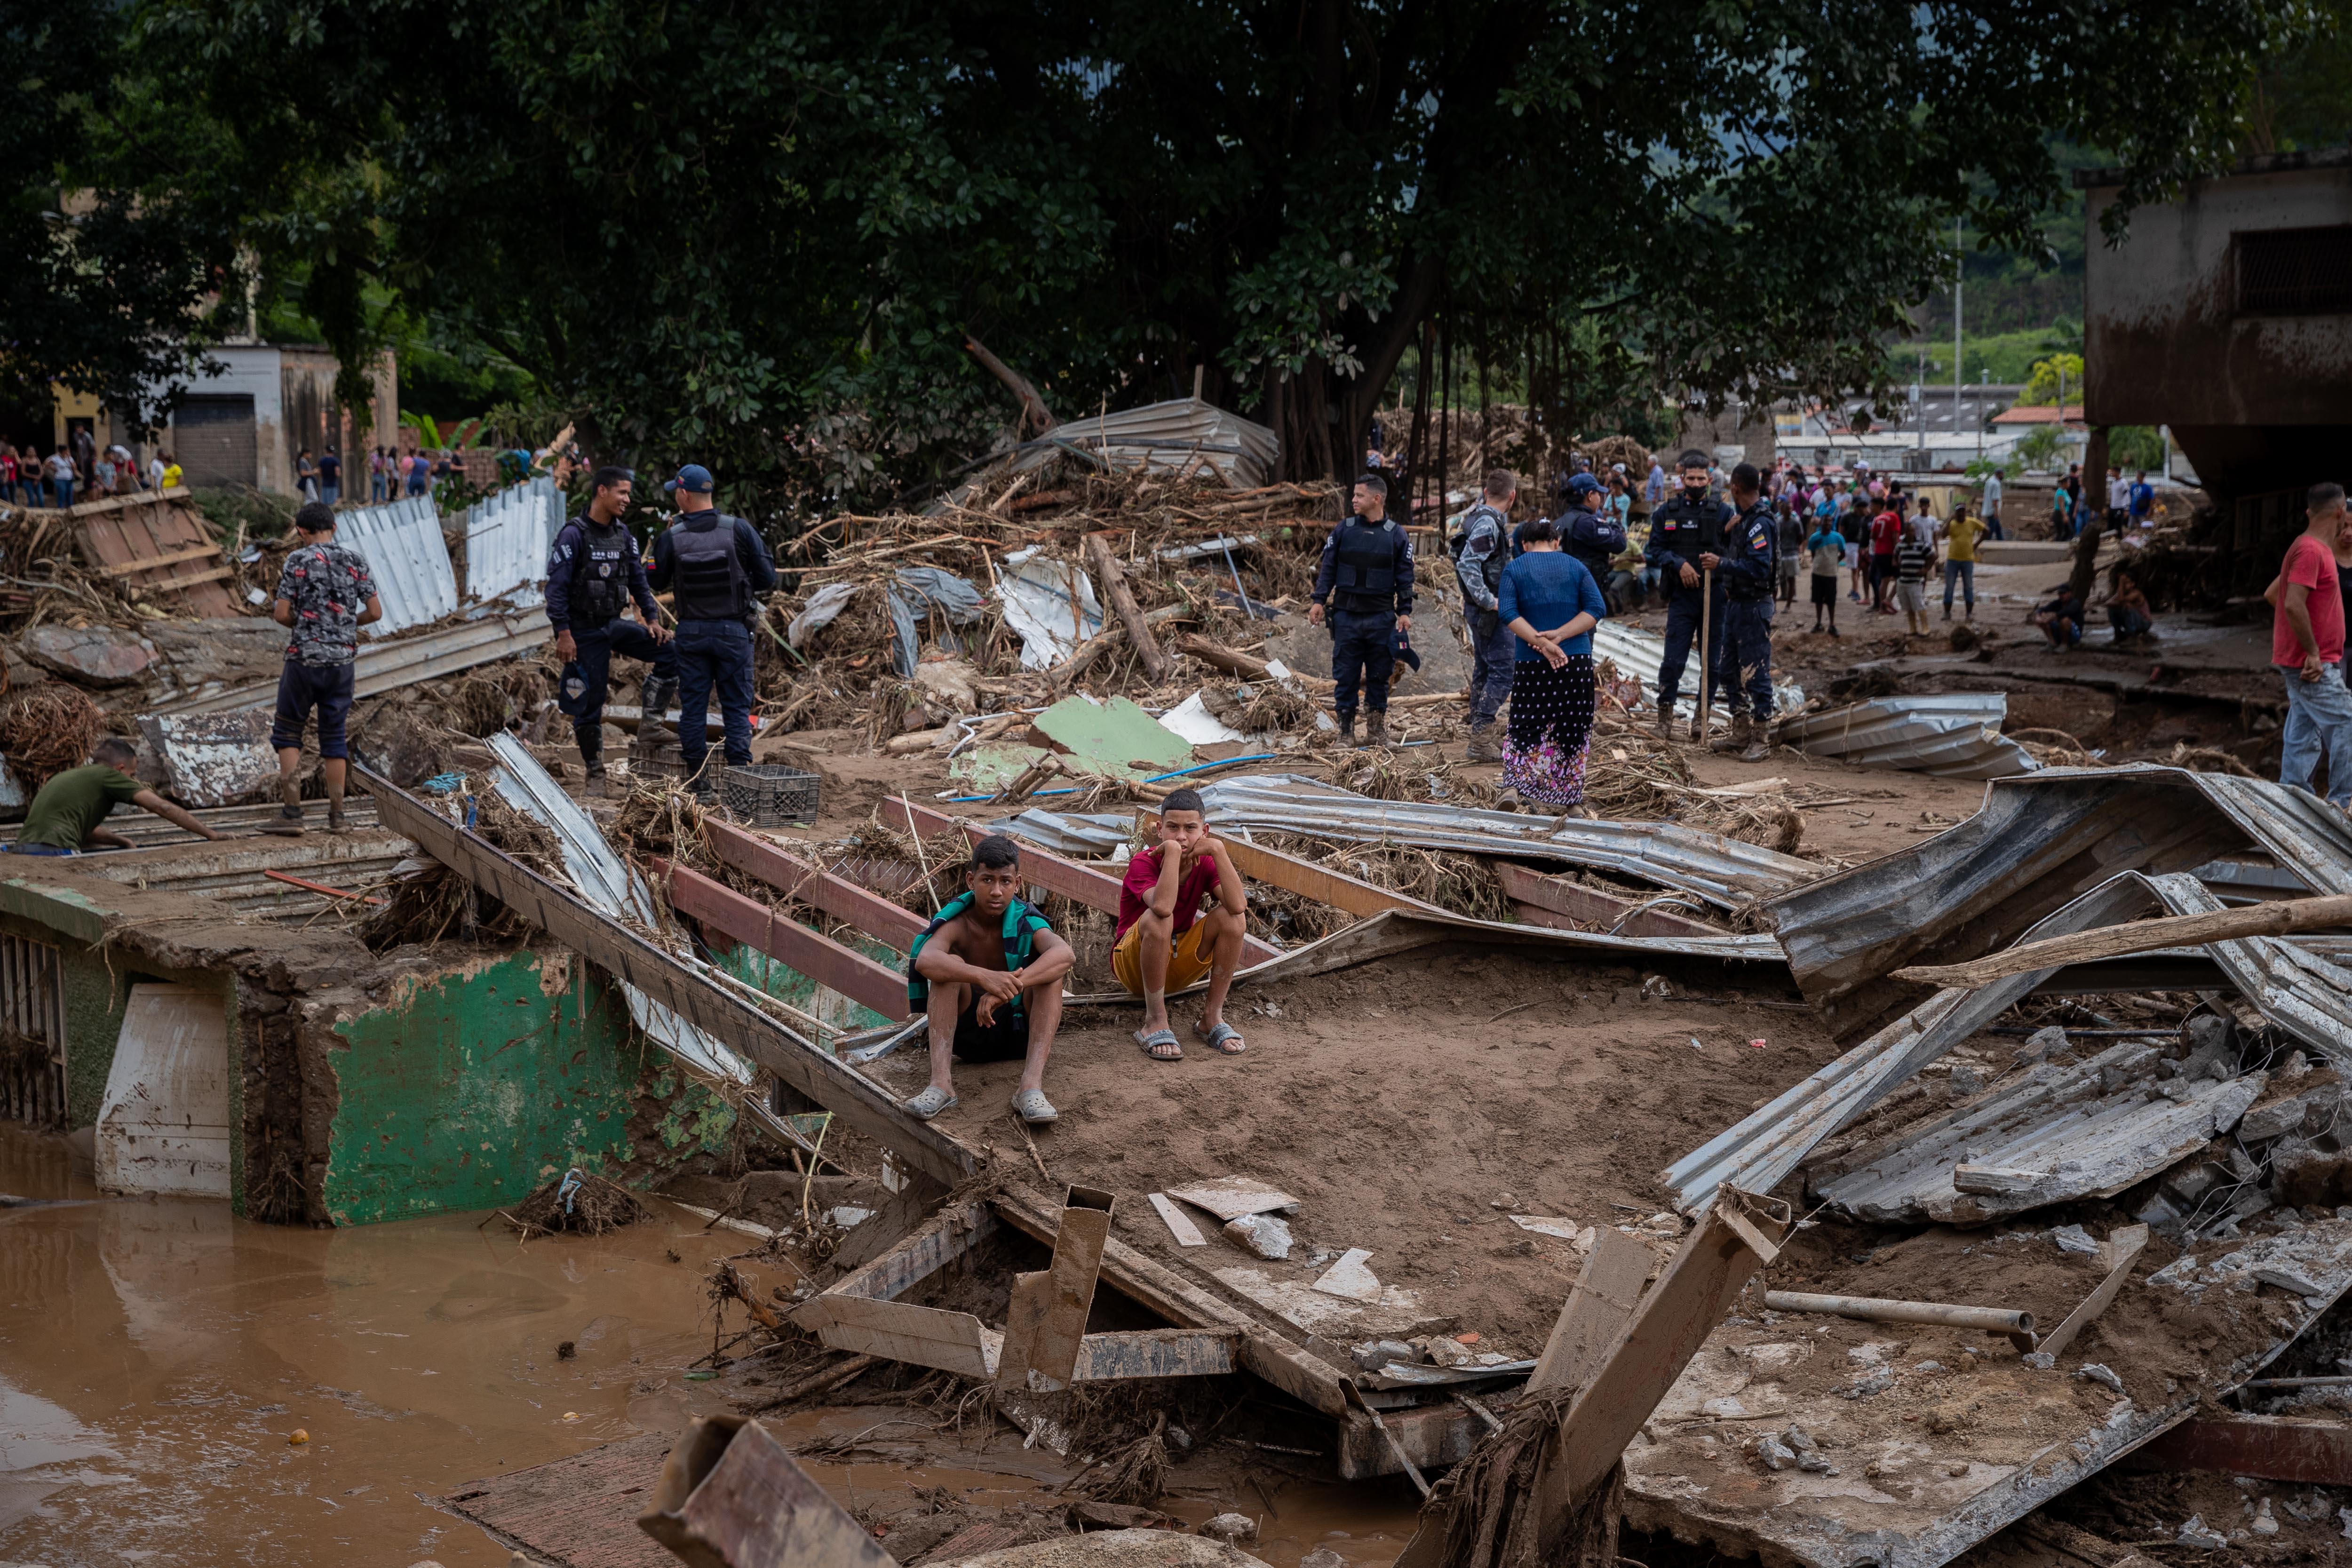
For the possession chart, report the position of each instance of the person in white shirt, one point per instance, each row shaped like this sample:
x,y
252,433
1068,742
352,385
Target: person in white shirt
x,y
1991,508
2118,500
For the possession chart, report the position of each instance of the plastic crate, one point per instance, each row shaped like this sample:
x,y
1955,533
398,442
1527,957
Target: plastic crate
x,y
766,795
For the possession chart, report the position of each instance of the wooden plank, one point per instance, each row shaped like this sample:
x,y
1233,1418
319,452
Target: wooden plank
x,y
1578,902
1179,1224
172,558
581,1510
1048,1316
806,883
140,528
1113,578
1157,1353
930,1248
117,503
2119,1252
663,978
2299,1448
755,925
1305,1377
173,584
1596,1312
926,1336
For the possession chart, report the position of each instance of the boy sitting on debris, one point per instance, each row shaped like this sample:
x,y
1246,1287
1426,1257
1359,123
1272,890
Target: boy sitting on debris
x,y
65,815
1165,941
988,974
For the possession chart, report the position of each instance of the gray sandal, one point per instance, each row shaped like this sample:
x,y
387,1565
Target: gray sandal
x,y
930,1103
1152,1045
1222,1036
1032,1106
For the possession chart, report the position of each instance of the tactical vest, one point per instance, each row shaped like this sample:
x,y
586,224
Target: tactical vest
x,y
600,574
709,581
1490,569
1364,562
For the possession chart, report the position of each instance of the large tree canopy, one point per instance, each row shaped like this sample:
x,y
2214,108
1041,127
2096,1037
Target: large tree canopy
x,y
760,232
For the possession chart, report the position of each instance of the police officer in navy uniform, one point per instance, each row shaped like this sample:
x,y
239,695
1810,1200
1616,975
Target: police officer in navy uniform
x,y
594,573
716,566
1688,526
1368,563
1743,568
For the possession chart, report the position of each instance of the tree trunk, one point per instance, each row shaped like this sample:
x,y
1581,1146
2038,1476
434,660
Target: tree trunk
x,y
1130,614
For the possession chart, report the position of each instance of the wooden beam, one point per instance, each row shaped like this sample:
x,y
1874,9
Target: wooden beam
x,y
2299,1448
923,1252
755,925
1217,656
1048,1315
925,1336
118,503
1305,1377
2280,919
1596,1312
807,883
1123,602
1321,883
2118,1252
668,981
171,558
187,581
1157,1353
1577,901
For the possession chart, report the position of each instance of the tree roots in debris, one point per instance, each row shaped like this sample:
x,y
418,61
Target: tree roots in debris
x,y
1134,1474
498,698
436,902
577,1204
45,729
1484,1509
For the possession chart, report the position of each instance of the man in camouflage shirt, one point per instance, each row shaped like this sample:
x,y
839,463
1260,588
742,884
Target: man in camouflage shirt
x,y
325,594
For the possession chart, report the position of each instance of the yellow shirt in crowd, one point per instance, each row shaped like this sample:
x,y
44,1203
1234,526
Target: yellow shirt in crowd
x,y
1961,536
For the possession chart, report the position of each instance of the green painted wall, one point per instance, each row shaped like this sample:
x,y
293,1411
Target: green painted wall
x,y
469,1090
786,984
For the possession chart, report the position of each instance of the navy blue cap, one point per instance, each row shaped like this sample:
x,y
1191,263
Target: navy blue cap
x,y
694,477
1584,485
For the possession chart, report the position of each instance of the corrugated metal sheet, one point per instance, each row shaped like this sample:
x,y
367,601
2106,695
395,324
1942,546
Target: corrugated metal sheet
x,y
1050,603
508,536
1765,1146
1185,432
2298,986
387,667
1954,735
402,546
2041,840
1723,871
1638,654
606,882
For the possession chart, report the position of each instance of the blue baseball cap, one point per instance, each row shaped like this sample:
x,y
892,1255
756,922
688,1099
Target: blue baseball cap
x,y
1584,484
694,476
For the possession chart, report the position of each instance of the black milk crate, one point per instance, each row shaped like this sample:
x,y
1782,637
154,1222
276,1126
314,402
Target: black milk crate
x,y
768,795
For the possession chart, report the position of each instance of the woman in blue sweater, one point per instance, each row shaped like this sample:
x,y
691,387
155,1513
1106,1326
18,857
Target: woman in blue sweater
x,y
1552,604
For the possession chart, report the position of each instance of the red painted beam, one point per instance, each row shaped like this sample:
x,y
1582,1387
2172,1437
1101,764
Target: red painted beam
x,y
1081,884
800,880
1591,905
2270,1448
755,925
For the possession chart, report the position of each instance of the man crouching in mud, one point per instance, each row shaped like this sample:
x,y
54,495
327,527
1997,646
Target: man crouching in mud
x,y
988,974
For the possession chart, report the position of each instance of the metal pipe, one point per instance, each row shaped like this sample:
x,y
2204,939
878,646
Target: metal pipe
x,y
1992,1320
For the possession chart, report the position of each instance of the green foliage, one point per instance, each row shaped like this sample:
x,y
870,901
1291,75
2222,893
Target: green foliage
x,y
758,236
2050,376
259,515
2043,449
2133,448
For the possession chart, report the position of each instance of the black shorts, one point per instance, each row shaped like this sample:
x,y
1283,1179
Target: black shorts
x,y
1005,1040
1825,590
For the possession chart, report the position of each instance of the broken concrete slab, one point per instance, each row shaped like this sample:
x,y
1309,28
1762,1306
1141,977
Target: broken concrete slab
x,y
90,655
1397,1314
214,759
2051,1137
1230,1197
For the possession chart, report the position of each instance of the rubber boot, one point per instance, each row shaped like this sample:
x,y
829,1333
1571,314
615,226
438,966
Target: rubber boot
x,y
1376,728
1759,741
1665,725
1484,747
592,752
651,705
1736,737
1347,729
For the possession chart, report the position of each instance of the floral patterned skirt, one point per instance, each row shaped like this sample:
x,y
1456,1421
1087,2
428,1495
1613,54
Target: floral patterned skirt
x,y
1550,730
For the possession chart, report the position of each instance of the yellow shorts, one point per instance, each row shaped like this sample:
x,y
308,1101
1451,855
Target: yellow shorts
x,y
1188,965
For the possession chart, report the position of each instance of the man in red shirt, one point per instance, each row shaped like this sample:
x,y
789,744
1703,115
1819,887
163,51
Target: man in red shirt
x,y
2307,647
1166,942
1886,536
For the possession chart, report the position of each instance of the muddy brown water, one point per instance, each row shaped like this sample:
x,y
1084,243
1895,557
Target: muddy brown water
x,y
156,1355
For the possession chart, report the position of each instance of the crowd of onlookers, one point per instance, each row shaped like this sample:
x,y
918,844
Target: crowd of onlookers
x,y
83,470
